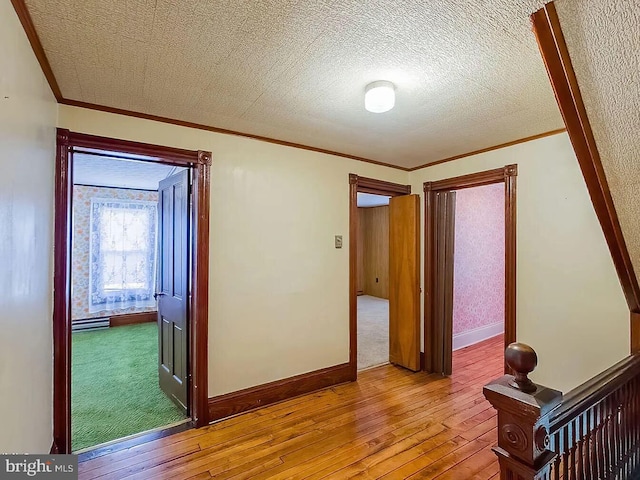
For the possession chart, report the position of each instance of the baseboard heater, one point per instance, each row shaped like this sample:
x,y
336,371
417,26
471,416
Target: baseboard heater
x,y
90,324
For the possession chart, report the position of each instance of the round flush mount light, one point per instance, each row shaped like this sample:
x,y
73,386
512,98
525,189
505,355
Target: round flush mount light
x,y
379,96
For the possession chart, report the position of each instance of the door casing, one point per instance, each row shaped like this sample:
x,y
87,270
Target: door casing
x,y
506,175
377,187
200,163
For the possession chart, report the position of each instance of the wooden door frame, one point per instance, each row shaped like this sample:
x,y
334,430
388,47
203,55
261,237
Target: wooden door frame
x,y
200,162
506,175
376,187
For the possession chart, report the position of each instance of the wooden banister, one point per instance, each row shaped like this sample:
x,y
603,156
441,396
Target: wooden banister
x,y
523,412
591,433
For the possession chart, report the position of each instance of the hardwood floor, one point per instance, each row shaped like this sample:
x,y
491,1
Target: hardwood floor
x,y
390,424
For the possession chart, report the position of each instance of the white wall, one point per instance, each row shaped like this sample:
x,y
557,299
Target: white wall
x,y
570,305
279,300
279,289
27,151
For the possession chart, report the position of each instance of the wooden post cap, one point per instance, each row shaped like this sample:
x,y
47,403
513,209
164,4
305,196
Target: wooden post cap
x,y
523,360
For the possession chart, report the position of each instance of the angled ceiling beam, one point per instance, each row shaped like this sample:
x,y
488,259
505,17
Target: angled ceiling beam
x,y
555,54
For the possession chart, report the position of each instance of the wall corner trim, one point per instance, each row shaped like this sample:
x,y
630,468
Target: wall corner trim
x,y
233,403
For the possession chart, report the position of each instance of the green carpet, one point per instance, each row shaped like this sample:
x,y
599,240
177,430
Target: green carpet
x,y
114,388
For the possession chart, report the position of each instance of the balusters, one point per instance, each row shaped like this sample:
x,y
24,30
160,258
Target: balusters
x,y
566,443
604,410
573,426
594,435
634,424
556,467
581,451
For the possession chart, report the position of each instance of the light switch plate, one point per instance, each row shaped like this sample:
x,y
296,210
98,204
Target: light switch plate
x,y
338,241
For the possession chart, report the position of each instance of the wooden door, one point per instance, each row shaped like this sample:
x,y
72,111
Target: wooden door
x,y
173,286
444,209
404,281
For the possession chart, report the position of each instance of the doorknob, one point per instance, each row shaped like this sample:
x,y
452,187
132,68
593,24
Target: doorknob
x,y
158,294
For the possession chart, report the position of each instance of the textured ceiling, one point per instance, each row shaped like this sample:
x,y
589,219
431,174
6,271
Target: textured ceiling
x,y
111,172
468,73
604,45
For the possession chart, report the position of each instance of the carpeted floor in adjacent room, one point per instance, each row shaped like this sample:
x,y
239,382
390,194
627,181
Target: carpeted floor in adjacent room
x,y
114,388
373,331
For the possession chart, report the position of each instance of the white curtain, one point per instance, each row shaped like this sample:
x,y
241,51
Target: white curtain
x,y
122,254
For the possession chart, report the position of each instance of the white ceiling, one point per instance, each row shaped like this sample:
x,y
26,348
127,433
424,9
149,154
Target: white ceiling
x,y
370,200
603,42
110,172
468,73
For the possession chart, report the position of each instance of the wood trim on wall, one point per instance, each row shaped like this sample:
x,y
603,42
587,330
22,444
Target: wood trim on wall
x,y
61,296
209,128
507,175
376,187
29,28
152,153
471,180
490,149
380,187
555,54
259,396
510,264
200,290
132,318
200,162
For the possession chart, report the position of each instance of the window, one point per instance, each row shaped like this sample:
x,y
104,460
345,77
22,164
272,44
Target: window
x,y
122,254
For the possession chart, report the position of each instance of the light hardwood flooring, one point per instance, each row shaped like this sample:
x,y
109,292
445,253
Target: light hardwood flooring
x,y
390,424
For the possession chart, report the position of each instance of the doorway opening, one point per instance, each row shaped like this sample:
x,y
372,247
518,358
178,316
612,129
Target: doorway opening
x,y
373,280
117,389
130,279
469,264
383,262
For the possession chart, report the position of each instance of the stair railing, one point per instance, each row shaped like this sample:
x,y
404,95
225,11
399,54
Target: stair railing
x,y
591,433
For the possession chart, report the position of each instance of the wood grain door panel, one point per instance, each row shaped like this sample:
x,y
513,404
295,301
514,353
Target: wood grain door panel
x,y
173,287
404,281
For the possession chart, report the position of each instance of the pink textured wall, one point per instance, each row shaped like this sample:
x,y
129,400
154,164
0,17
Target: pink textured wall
x,y
80,250
478,279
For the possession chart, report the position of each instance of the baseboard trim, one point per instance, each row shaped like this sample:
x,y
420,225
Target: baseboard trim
x,y
132,318
477,335
241,401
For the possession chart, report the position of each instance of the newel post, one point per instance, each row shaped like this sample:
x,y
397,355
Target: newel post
x,y
523,409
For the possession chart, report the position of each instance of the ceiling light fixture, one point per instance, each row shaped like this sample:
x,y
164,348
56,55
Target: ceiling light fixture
x,y
379,96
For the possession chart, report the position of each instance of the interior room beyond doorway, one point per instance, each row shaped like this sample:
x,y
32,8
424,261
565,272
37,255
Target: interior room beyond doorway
x,y
373,280
479,265
116,252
